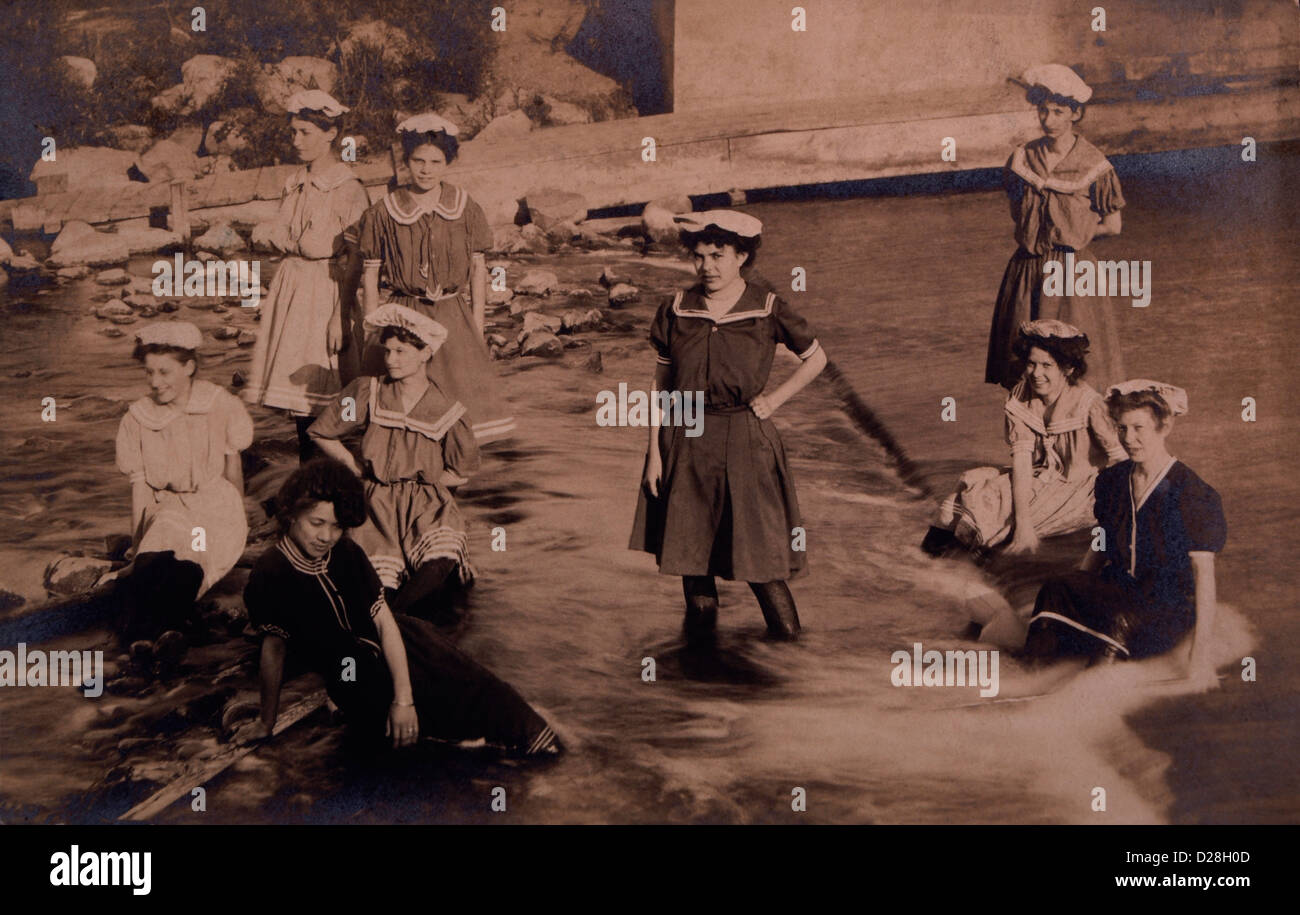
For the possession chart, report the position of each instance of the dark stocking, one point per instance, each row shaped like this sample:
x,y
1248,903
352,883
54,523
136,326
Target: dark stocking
x,y
777,603
306,447
701,607
423,593
156,595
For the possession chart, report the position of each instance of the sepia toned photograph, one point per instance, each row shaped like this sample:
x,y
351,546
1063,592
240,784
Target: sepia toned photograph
x,y
635,412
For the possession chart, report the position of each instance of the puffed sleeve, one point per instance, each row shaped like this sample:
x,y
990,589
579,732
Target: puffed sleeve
x,y
460,452
1020,438
266,602
368,236
792,330
661,331
1201,511
476,226
1103,431
347,411
130,452
239,426
1105,193
352,205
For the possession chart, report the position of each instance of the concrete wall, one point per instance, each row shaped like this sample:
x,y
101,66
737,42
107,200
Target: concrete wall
x,y
729,51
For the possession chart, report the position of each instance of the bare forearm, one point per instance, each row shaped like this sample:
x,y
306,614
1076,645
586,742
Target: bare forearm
x,y
1206,597
337,450
663,378
1022,475
390,639
271,669
370,289
809,369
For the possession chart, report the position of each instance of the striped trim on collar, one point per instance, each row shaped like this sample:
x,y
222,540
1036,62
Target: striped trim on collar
x,y
393,419
407,217
300,560
729,317
1077,418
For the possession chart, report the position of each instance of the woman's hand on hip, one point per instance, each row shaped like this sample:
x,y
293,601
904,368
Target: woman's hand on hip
x,y
762,406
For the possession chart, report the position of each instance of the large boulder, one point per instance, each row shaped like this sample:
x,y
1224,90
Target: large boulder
x,y
657,217
202,79
133,137
80,70
536,320
507,127
557,113
78,243
277,82
548,207
221,238
537,282
188,137
394,46
224,138
80,167
542,343
167,161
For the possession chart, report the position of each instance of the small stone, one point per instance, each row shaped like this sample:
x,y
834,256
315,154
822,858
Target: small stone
x,y
122,319
542,343
219,309
168,307
74,574
147,311
537,282
536,320
225,333
575,321
237,380
113,307
622,293
115,277
80,271
113,332
499,296
609,278
496,339
246,338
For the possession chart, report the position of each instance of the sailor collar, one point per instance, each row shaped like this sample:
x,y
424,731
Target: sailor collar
x,y
409,421
154,416
1073,174
743,310
1074,416
448,209
325,180
300,560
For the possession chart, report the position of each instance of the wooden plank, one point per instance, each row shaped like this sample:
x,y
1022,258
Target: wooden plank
x,y
197,191
199,772
270,183
94,207
131,204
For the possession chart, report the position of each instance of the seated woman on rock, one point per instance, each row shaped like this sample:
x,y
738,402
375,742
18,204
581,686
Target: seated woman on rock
x,y
316,594
417,442
1154,581
180,447
1060,435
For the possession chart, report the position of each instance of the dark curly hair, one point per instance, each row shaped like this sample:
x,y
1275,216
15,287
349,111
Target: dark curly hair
x,y
712,235
1118,404
413,140
1070,354
321,480
401,333
179,353
1040,95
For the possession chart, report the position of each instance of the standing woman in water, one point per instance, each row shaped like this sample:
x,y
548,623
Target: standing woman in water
x,y
296,359
1063,194
428,237
180,447
723,503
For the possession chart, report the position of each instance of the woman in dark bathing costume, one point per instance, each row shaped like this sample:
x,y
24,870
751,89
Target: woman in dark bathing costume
x,y
314,593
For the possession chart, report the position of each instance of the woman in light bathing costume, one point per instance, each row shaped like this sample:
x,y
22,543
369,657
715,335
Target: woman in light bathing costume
x,y
315,596
429,238
296,358
723,503
1060,435
416,444
1063,194
1154,582
180,447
